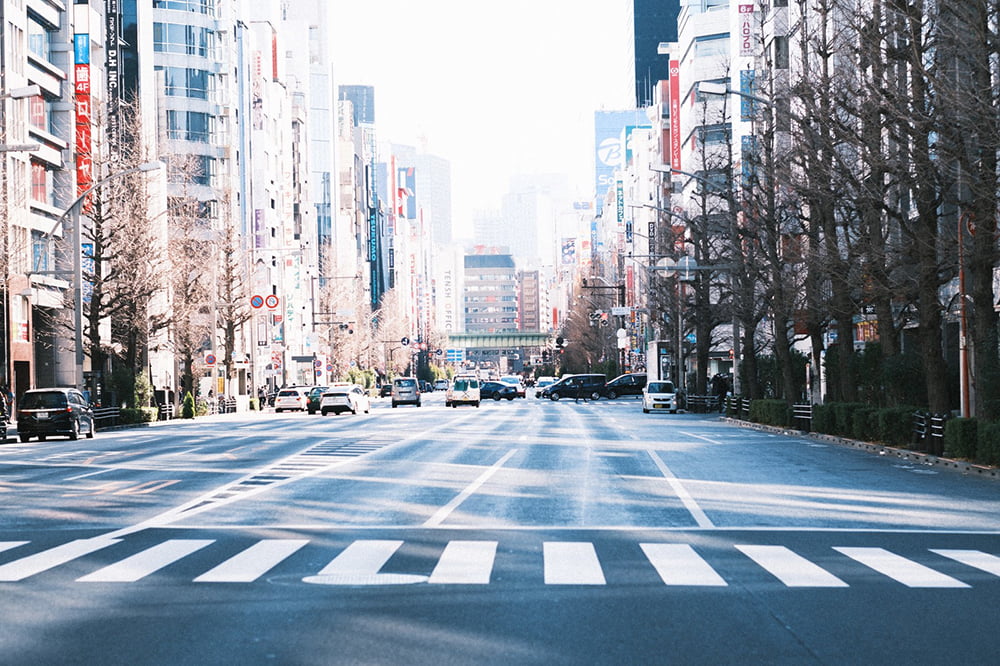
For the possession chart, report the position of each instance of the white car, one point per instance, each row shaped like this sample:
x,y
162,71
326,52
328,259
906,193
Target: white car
x,y
441,385
351,398
541,383
516,382
463,390
293,398
659,396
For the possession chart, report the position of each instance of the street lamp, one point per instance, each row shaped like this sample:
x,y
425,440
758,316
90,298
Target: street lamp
x,y
721,89
73,211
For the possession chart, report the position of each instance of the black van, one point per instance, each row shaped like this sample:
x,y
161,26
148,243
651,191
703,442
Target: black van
x,y
628,384
576,386
54,411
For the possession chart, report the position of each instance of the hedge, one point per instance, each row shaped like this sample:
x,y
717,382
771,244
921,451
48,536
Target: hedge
x,y
960,438
771,412
129,415
988,444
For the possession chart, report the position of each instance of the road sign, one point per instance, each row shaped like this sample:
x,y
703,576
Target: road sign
x,y
318,363
439,353
405,341
271,301
209,359
256,301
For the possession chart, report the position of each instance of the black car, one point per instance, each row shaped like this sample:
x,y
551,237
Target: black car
x,y
54,411
627,384
386,390
576,386
312,404
497,390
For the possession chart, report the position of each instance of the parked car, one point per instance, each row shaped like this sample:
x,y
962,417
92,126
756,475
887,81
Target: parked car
x,y
541,383
441,385
405,391
54,411
628,384
576,386
516,382
347,398
497,391
385,390
659,396
464,390
294,398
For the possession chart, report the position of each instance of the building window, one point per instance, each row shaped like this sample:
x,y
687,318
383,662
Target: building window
x,y
39,183
781,52
188,125
711,45
38,40
196,6
37,114
185,82
178,38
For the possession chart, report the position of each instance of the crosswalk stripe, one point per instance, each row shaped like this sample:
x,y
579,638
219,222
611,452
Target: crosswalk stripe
x,y
973,558
679,564
360,563
252,563
465,562
571,563
146,562
53,557
790,568
7,545
907,572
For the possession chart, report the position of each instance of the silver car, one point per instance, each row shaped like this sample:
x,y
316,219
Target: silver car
x,y
405,391
659,396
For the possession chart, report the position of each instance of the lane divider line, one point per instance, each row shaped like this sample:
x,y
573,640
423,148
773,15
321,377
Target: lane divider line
x,y
685,497
442,514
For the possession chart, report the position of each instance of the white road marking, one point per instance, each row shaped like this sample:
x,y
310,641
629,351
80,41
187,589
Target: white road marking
x,y
360,563
253,562
465,562
47,559
571,563
907,572
7,545
790,568
442,514
679,564
146,562
685,497
84,476
973,558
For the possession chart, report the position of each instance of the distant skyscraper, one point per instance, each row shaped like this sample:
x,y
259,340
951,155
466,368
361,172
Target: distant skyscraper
x,y
363,99
654,21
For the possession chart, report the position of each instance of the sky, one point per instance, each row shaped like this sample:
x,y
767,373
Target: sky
x,y
497,88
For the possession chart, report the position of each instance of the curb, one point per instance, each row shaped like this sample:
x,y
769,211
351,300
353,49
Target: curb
x,y
961,466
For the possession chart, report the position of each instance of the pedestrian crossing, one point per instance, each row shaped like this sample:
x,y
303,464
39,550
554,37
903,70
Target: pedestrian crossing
x,y
366,562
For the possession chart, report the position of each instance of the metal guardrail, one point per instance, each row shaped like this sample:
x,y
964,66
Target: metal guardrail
x,y
928,432
802,415
106,416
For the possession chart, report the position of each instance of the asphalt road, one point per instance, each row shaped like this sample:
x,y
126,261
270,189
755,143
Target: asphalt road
x,y
517,533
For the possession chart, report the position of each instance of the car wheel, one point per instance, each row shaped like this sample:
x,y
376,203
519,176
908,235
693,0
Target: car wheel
x,y
277,410
322,412
612,395
394,405
595,395
645,411
477,404
354,410
496,396
91,430
23,437
509,398
41,438
74,431
418,403
554,396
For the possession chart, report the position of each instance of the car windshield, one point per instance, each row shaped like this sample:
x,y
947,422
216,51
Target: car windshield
x,y
661,387
406,383
43,400
288,393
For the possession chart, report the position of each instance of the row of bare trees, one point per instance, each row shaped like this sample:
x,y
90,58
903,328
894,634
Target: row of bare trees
x,y
870,181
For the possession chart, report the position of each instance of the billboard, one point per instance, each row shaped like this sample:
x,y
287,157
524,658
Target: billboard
x,y
609,146
406,193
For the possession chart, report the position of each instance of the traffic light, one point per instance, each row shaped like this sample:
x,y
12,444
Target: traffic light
x,y
546,356
560,342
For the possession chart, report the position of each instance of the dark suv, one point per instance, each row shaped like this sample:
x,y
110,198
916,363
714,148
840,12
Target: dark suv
x,y
54,411
628,384
576,386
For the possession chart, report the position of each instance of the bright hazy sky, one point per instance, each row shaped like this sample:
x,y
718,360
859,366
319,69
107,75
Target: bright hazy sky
x,y
496,87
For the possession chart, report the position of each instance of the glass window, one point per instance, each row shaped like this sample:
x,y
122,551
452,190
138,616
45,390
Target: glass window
x,y
711,45
179,38
197,6
38,39
39,182
37,114
185,82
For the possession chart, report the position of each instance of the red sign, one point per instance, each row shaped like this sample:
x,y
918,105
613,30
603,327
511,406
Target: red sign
x,y
271,301
675,114
256,301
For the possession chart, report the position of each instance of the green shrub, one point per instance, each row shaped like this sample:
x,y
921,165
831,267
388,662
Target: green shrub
x,y
822,420
843,419
770,412
861,427
187,410
895,425
988,446
129,415
960,438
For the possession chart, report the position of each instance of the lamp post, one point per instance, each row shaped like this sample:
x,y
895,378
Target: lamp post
x,y
73,212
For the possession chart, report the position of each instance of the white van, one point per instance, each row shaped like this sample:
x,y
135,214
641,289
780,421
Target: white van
x,y
464,390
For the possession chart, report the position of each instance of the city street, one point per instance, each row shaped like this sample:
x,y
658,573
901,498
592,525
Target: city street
x,y
517,532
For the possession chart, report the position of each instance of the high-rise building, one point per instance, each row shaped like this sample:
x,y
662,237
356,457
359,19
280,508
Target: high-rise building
x,y
491,293
654,21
